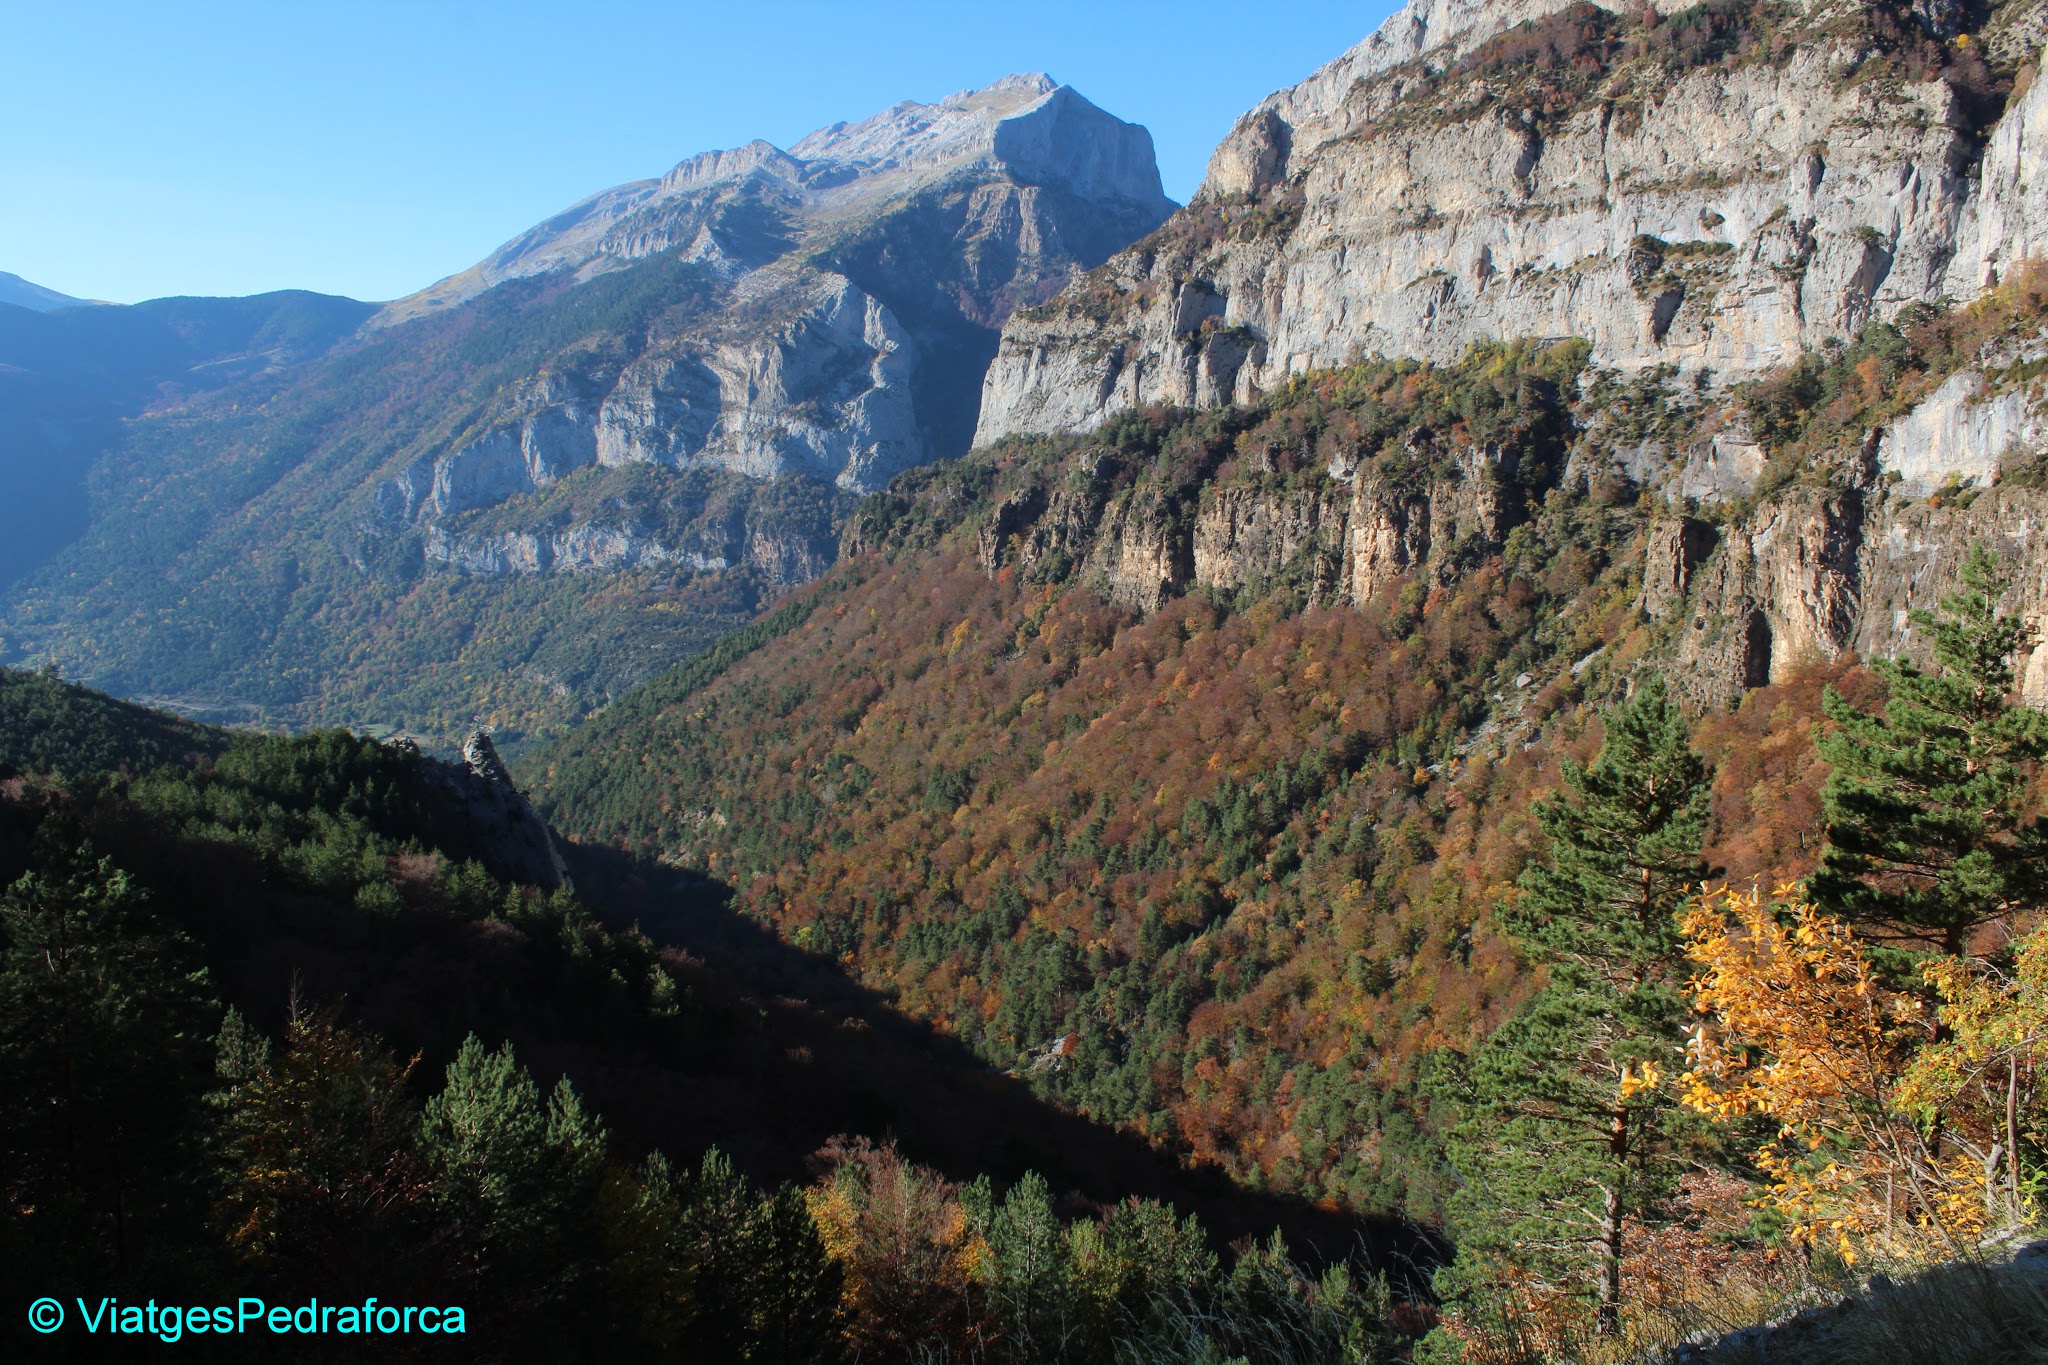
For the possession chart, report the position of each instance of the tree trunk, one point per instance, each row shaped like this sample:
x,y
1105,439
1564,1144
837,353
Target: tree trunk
x,y
1609,1320
2012,1139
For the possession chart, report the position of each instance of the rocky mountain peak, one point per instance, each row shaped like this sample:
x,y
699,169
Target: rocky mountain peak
x,y
708,168
1024,127
1712,190
913,134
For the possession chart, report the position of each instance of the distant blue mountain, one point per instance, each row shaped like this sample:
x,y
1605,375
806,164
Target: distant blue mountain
x,y
22,294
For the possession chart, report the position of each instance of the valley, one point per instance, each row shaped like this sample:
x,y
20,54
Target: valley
x,y
1435,756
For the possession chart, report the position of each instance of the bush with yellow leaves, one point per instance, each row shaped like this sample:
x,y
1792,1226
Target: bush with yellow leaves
x,y
1899,1111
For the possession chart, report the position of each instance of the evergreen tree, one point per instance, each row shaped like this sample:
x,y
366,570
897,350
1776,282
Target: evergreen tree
x,y
324,1189
793,1293
519,1178
240,1052
1567,1130
701,1264
1622,851
104,1019
1027,1273
1931,829
712,1226
650,1284
1136,1266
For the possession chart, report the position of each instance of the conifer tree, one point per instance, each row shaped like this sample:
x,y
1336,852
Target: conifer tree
x,y
793,1285
1567,1130
518,1177
1931,830
104,1017
701,1264
324,1188
1028,1272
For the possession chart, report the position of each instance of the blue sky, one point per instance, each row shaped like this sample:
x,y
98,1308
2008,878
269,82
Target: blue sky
x,y
371,148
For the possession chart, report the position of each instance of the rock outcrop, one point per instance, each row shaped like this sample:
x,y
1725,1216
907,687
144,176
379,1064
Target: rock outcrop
x,y
482,814
1342,539
1818,572
826,392
854,285
511,838
1426,191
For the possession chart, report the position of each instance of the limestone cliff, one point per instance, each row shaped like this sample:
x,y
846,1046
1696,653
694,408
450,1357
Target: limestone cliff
x,y
854,283
1760,546
1713,190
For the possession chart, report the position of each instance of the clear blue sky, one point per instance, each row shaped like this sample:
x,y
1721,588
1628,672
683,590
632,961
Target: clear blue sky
x,y
371,148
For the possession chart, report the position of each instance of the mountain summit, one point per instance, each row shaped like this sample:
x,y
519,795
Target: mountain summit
x,y
23,293
637,416
1026,129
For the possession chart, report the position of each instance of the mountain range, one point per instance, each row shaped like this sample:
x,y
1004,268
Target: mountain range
x,y
1266,681
641,417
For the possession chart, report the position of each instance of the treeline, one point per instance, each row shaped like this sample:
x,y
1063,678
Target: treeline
x,y
49,726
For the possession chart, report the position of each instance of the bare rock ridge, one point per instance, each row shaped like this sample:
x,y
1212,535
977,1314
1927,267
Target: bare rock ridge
x,y
856,284
1700,194
509,835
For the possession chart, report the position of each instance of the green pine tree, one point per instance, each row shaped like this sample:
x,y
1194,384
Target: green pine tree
x,y
1027,1273
105,1017
1622,851
518,1176
1931,829
1568,1128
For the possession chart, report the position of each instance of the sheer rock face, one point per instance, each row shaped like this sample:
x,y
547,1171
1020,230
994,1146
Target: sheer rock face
x,y
855,280
1718,225
1346,539
1820,572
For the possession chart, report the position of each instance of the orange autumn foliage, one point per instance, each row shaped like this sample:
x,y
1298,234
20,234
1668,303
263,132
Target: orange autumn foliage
x,y
1866,1081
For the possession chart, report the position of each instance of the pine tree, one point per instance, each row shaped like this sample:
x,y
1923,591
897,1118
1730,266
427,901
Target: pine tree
x,y
324,1188
1568,1121
700,1264
104,1019
519,1177
1931,831
793,1285
1622,851
1028,1274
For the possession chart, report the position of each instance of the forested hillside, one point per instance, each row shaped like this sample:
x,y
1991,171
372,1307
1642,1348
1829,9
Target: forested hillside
x,y
268,1026
243,583
1461,779
1220,871
1208,840
69,377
